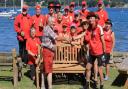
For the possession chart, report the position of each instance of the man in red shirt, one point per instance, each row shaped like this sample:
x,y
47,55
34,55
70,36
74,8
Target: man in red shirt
x,y
33,49
95,39
38,22
66,17
59,22
51,11
71,10
84,12
57,7
76,19
103,15
22,25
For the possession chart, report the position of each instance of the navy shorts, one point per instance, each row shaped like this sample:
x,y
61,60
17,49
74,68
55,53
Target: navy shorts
x,y
92,59
107,58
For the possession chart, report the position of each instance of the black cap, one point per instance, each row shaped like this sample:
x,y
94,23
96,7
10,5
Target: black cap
x,y
109,22
92,14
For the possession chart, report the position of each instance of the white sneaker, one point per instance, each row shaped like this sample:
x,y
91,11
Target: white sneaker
x,y
106,78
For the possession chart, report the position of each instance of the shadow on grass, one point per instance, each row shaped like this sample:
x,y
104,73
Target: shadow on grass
x,y
6,78
72,79
120,80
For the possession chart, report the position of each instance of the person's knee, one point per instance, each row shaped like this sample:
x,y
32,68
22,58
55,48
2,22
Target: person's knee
x,y
88,67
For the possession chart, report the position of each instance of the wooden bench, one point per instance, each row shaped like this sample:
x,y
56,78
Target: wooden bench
x,y
8,60
123,69
67,60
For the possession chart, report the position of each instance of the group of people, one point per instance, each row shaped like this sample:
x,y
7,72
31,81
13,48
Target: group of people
x,y
38,35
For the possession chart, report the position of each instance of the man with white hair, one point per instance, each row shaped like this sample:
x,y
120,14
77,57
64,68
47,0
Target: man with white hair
x,y
48,43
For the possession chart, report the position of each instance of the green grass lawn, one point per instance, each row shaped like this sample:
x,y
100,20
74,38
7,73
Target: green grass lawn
x,y
26,83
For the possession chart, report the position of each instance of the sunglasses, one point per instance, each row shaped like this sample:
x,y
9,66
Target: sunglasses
x,y
24,10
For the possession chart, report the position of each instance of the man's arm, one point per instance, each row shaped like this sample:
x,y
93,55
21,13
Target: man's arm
x,y
17,25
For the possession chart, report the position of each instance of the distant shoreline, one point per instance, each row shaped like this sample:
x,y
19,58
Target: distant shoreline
x,y
46,6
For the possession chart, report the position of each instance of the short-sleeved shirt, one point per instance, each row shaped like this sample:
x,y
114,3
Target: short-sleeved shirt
x,y
93,37
32,45
103,15
49,37
36,21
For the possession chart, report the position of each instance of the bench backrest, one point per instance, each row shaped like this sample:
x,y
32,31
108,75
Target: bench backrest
x,y
68,54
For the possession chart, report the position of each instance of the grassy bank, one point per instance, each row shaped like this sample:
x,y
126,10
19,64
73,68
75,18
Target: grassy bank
x,y
26,83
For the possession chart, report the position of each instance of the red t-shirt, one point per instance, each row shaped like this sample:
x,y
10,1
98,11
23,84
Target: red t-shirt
x,y
83,14
93,38
71,16
32,45
66,19
108,41
36,22
103,15
47,17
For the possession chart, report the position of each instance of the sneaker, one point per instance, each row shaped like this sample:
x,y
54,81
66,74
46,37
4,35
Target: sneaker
x,y
106,78
95,85
101,87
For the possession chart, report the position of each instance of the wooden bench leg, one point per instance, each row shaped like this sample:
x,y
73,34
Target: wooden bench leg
x,y
37,78
126,84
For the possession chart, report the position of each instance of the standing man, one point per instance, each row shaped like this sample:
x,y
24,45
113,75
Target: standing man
x,y
57,7
95,38
51,11
38,21
84,12
48,43
103,15
71,11
22,25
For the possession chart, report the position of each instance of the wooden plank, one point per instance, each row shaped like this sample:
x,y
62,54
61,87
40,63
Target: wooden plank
x,y
63,71
67,67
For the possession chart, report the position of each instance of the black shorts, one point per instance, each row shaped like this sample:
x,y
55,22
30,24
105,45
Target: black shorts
x,y
32,70
107,58
92,59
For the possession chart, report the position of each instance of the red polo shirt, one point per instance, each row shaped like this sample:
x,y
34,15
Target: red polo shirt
x,y
103,15
32,45
36,22
93,38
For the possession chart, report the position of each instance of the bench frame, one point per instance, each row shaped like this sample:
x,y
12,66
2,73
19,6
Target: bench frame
x,y
67,60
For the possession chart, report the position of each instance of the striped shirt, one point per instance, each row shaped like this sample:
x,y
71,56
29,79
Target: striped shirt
x,y
48,39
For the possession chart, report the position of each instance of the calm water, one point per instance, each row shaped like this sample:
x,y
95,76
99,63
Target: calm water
x,y
119,17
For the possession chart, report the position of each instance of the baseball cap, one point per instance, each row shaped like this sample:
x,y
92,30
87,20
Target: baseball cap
x,y
73,25
38,6
84,3
72,4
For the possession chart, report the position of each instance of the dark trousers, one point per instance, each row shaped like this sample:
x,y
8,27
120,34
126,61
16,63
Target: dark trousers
x,y
23,51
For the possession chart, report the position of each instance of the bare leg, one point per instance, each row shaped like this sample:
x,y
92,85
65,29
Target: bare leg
x,y
42,81
88,71
107,70
49,78
101,75
95,70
